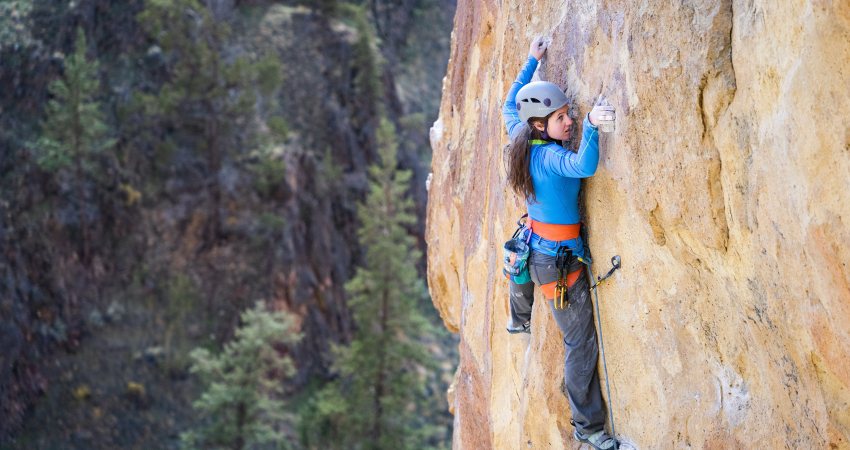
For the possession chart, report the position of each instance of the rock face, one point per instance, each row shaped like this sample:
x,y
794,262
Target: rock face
x,y
725,190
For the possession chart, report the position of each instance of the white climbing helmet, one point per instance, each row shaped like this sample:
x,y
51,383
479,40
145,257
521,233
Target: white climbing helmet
x,y
539,99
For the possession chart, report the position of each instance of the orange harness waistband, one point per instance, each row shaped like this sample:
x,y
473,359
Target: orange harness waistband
x,y
556,232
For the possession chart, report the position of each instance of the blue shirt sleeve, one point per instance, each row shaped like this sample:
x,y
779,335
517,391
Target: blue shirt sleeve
x,y
509,111
583,164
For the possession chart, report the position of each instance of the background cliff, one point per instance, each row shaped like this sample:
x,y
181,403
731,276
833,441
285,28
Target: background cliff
x,y
241,133
724,189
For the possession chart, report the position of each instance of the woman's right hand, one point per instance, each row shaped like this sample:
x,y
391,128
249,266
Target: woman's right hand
x,y
538,47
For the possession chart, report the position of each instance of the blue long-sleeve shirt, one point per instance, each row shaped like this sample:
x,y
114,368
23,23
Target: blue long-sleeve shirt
x,y
555,171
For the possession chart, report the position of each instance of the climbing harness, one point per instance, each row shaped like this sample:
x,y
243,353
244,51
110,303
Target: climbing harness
x,y
615,261
565,245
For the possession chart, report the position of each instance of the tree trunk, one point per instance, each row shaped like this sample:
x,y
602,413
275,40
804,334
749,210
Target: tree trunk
x,y
79,153
214,160
239,443
380,383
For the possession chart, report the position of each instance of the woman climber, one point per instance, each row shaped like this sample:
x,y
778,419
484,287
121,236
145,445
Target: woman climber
x,y
549,177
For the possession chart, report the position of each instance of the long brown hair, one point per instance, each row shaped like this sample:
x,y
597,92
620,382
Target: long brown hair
x,y
519,159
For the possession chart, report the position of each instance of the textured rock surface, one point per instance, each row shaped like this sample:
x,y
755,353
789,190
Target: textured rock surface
x,y
725,191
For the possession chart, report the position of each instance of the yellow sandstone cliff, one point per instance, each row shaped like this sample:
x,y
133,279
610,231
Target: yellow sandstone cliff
x,y
725,189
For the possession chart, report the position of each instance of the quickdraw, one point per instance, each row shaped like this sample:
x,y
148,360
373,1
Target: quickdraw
x,y
615,263
563,261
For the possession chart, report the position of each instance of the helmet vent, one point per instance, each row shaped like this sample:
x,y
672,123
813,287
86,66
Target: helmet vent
x,y
534,100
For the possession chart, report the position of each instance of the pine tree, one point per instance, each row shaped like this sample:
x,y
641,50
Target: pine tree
x,y
367,108
242,403
75,132
376,402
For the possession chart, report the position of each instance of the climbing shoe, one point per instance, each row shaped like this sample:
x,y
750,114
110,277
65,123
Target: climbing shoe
x,y
599,440
524,328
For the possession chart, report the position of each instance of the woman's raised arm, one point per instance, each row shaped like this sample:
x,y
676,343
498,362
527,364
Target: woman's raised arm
x,y
509,111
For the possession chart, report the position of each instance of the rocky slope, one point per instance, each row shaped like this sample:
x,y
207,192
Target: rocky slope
x,y
725,191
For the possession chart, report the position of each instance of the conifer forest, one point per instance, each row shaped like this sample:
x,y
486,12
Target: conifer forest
x,y
211,224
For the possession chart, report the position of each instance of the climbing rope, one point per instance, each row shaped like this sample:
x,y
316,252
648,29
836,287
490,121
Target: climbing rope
x,y
615,262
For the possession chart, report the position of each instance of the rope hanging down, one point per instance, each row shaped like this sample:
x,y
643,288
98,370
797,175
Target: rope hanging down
x,y
615,262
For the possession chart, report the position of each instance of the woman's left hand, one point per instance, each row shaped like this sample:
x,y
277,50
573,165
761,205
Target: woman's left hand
x,y
602,112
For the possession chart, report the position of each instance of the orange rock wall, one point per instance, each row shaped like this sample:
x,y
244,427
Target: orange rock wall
x,y
724,189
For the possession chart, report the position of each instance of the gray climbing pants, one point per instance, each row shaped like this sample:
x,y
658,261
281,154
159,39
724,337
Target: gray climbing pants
x,y
581,379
